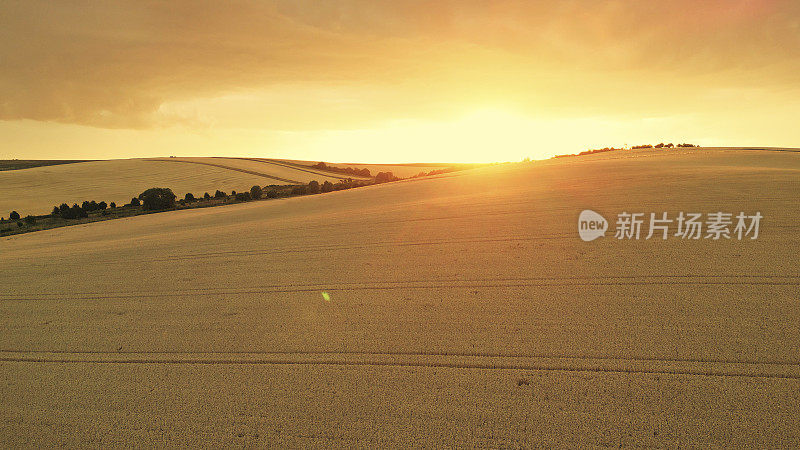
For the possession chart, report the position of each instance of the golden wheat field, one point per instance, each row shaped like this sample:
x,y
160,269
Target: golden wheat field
x,y
36,190
455,310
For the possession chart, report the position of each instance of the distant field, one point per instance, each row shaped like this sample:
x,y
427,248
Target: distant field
x,y
16,164
36,190
399,170
458,311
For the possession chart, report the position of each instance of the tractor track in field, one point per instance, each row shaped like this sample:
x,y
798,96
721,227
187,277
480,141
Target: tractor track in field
x,y
222,166
301,168
421,353
622,365
496,283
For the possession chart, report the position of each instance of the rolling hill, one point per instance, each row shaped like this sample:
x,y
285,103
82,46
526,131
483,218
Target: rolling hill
x,y
454,310
36,190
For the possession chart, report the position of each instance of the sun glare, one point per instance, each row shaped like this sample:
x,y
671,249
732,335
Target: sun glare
x,y
486,135
481,136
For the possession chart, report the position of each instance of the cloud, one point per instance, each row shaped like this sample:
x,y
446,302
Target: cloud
x,y
305,64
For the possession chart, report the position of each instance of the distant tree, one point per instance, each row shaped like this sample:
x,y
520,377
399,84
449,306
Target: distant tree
x,y
102,205
14,215
20,223
660,145
64,210
256,192
220,194
272,193
56,211
384,177
30,220
189,197
299,190
157,198
243,196
327,186
206,196
313,187
135,202
90,206
112,205
76,212
233,193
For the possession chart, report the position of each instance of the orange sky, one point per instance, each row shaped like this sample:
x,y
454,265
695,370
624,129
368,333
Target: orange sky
x,y
400,81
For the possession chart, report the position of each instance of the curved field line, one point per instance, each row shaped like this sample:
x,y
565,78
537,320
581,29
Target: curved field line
x,y
424,364
439,283
452,354
304,169
456,282
406,285
251,172
318,171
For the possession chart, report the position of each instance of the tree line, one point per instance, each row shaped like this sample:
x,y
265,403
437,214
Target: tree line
x,y
635,147
156,199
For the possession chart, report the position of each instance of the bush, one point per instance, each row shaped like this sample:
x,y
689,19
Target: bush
x,y
313,187
64,210
299,190
135,202
157,198
30,220
206,196
256,192
20,224
76,212
102,205
242,196
112,205
345,170
189,197
384,177
272,193
327,186
14,215
56,211
220,194
90,206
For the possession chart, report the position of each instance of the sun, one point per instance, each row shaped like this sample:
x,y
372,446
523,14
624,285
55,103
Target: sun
x,y
480,136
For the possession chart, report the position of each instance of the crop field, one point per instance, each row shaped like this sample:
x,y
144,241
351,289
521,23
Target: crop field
x,y
399,170
17,164
36,190
459,310
281,174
